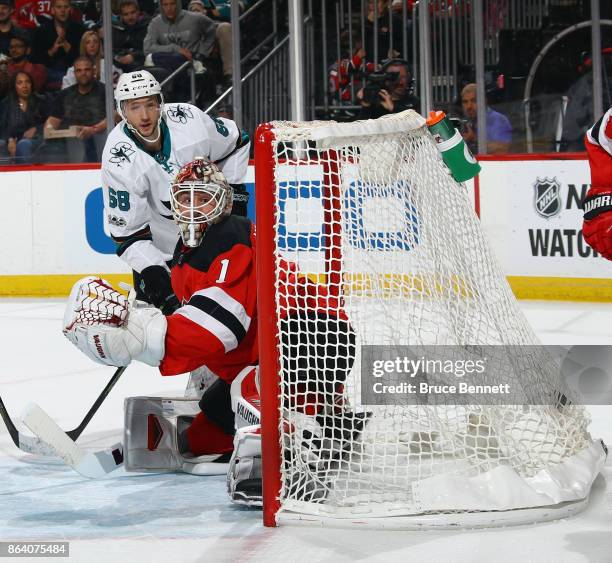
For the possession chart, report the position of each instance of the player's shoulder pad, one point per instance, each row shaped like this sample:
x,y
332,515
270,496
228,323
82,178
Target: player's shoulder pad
x,y
181,113
119,150
221,238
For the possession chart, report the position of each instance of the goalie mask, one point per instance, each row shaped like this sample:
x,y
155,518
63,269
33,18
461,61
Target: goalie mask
x,y
201,196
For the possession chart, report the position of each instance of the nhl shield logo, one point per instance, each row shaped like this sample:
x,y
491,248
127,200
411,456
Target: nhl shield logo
x,y
547,197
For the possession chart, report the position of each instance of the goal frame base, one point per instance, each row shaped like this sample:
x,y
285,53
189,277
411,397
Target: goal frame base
x,y
440,521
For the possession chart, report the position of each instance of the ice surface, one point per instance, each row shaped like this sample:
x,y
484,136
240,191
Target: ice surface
x,y
183,518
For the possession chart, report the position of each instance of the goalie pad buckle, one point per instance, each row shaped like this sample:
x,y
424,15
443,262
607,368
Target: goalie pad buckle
x,y
153,439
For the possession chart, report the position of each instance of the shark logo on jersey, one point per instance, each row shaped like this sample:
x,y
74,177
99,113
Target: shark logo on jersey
x,y
117,221
121,152
179,114
167,205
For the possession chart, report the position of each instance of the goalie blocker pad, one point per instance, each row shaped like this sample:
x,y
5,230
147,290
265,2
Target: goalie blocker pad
x,y
152,442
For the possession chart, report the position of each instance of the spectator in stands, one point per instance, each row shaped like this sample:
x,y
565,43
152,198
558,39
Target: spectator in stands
x,y
91,46
499,130
398,6
578,116
21,120
218,10
393,95
177,35
8,28
199,7
389,33
31,14
148,7
128,36
4,75
91,14
20,61
346,74
56,43
82,105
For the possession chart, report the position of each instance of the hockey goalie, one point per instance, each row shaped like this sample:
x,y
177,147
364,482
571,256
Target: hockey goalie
x,y
215,329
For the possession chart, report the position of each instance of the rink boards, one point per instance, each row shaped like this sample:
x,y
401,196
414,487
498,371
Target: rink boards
x,y
530,208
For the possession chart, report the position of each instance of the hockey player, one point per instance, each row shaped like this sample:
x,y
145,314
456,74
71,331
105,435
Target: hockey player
x,y
141,156
597,227
213,276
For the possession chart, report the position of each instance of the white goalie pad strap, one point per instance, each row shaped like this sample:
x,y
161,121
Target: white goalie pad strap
x,y
244,474
151,437
245,397
141,338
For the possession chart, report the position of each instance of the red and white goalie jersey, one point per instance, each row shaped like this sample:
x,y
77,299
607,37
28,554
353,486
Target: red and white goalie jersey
x,y
216,325
597,205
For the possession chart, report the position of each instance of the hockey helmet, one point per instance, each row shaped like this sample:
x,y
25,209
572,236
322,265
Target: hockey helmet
x,y
200,196
138,84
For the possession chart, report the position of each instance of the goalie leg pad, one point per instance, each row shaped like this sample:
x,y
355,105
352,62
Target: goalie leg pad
x,y
151,439
244,484
245,397
200,380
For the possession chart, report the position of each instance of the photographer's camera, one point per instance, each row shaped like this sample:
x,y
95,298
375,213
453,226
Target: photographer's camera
x,y
377,81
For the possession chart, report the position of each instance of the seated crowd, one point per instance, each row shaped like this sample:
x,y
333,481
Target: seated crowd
x,y
52,75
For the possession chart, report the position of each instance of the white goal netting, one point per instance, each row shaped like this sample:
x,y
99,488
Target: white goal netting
x,y
368,211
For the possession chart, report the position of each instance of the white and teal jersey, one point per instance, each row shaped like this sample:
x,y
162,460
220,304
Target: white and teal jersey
x,y
136,183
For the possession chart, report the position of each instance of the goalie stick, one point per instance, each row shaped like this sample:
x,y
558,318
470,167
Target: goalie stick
x,y
88,464
34,445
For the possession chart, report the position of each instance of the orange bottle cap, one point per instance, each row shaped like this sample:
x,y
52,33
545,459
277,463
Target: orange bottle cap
x,y
435,117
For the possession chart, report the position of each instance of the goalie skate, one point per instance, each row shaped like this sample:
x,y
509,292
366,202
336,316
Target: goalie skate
x,y
321,448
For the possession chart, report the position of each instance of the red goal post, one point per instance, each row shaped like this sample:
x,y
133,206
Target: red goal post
x,y
267,319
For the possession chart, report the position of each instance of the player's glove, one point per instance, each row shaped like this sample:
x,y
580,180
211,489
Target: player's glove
x,y
597,228
156,287
109,328
141,338
241,200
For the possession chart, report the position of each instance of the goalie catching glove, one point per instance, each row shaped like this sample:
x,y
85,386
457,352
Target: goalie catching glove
x,y
597,228
108,328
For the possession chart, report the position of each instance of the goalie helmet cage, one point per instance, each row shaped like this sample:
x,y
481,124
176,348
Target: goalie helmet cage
x,y
369,210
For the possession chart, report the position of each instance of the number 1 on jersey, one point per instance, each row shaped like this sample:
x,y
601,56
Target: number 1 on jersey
x,y
224,266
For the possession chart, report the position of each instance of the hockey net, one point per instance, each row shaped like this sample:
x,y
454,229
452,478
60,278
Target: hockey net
x,y
369,211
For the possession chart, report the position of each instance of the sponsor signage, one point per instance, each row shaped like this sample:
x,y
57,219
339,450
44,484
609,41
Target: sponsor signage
x,y
532,212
